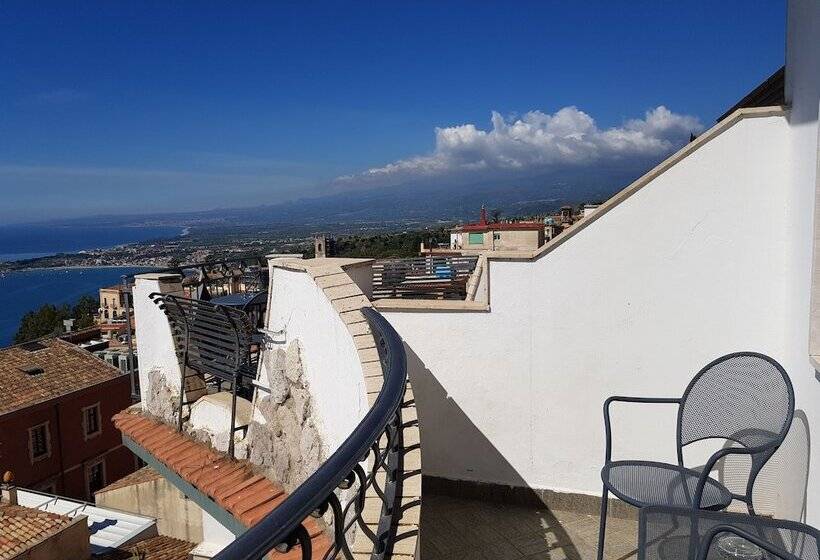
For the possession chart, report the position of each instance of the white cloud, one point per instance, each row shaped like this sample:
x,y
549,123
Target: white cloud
x,y
536,142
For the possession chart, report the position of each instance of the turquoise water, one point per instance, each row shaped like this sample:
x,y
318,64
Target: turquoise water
x,y
29,289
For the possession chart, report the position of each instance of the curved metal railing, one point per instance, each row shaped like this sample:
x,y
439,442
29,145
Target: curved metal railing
x,y
377,440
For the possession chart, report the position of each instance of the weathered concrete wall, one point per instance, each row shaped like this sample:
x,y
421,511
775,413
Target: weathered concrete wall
x,y
300,311
283,437
176,515
71,542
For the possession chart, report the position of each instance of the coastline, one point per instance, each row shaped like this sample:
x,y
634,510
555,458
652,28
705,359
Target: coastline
x,y
114,254
78,267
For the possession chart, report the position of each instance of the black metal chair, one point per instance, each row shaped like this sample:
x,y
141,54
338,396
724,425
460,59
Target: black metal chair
x,y
743,398
670,533
215,343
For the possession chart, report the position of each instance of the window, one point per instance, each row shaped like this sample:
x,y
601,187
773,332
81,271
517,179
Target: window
x,y
91,421
496,236
94,477
39,442
476,239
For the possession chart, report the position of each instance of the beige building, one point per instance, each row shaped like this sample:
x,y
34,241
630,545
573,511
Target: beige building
x,y
497,236
112,304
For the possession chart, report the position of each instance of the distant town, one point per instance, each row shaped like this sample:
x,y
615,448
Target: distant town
x,y
223,242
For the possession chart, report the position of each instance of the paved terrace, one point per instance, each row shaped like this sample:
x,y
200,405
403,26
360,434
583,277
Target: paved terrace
x,y
467,529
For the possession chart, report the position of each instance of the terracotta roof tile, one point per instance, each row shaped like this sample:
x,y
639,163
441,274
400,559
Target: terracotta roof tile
x,y
22,527
153,548
65,369
145,474
230,483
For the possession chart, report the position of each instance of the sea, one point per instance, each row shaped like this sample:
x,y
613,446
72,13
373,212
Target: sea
x,y
26,290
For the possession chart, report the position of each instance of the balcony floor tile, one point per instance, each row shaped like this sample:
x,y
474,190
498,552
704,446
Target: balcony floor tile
x,y
459,528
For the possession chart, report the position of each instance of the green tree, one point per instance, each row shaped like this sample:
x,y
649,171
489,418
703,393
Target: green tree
x,y
84,310
48,319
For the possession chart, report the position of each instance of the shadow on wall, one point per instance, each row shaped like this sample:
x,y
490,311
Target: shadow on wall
x,y
791,464
442,519
781,487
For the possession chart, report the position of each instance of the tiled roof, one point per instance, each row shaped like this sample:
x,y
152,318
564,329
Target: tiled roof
x,y
231,483
145,474
153,548
65,369
22,527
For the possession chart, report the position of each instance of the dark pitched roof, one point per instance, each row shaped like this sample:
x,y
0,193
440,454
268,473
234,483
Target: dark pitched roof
x,y
35,373
771,92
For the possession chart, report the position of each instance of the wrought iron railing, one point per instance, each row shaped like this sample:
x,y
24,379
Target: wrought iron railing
x,y
427,277
214,344
377,444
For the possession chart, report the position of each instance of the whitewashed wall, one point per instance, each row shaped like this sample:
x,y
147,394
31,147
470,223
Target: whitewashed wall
x,y
713,256
156,344
331,363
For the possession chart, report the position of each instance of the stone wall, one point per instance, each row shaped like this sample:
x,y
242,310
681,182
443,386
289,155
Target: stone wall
x,y
158,399
285,441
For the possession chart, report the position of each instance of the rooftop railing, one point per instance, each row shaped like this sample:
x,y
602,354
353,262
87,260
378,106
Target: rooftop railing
x,y
427,277
375,443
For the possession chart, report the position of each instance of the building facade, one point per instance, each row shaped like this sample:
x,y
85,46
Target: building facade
x,y
56,405
112,304
497,236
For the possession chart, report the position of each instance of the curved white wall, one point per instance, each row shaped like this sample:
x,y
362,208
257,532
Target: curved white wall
x,y
329,357
698,263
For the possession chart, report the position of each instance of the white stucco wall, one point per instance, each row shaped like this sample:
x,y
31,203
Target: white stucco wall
x,y
156,345
703,261
803,96
331,363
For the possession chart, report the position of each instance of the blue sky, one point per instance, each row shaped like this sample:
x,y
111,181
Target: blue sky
x,y
198,105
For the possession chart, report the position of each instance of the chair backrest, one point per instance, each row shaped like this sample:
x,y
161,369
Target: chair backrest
x,y
746,398
210,338
743,397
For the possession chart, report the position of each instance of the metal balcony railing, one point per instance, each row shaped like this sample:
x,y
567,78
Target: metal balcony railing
x,y
377,443
206,281
214,344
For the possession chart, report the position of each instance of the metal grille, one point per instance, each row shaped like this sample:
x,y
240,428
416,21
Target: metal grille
x,y
647,482
743,397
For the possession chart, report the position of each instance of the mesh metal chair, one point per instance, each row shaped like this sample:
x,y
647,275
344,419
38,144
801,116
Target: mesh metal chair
x,y
744,398
669,533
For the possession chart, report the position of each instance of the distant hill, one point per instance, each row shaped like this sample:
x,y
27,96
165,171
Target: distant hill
x,y
407,203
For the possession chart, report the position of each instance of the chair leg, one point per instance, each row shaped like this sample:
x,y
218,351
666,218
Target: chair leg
x,y
602,525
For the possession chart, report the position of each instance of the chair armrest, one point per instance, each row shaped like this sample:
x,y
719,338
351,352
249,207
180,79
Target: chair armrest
x,y
710,466
765,545
642,400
